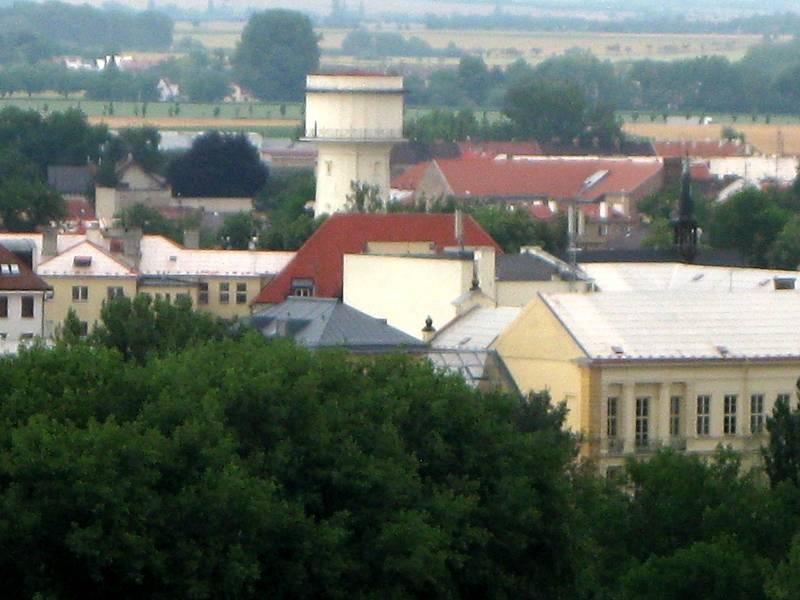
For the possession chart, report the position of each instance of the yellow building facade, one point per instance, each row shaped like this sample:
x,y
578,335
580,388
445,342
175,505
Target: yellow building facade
x,y
636,382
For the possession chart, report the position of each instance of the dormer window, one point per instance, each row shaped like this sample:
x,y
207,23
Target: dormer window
x,y
303,287
82,261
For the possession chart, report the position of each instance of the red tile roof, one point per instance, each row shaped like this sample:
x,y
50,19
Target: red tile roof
x,y
541,212
410,178
700,172
700,149
322,256
80,210
492,149
546,177
26,280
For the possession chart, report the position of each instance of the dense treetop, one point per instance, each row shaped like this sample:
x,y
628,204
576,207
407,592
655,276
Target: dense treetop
x,y
164,458
277,50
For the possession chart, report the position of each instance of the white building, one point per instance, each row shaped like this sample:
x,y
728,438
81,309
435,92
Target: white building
x,y
21,302
354,120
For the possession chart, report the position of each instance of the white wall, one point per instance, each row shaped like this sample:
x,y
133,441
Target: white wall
x,y
340,164
405,290
14,327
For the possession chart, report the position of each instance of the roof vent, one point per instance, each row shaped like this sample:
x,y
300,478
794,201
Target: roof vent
x,y
698,277
723,350
618,350
784,283
82,261
173,258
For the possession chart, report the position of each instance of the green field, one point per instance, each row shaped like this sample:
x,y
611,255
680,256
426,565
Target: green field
x,y
187,110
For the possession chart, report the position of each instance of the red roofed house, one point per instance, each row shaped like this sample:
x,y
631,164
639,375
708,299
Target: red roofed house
x,y
615,185
21,302
317,268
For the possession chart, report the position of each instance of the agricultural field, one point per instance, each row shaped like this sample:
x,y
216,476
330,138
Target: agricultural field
x,y
502,47
778,136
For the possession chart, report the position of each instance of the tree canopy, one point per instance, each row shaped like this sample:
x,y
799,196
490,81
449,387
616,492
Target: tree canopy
x,y
277,50
218,165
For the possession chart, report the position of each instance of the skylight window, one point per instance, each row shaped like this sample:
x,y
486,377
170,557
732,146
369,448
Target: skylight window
x,y
14,269
5,269
618,350
82,261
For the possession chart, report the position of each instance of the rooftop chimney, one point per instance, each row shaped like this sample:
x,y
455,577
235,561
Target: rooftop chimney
x,y
191,239
132,245
50,242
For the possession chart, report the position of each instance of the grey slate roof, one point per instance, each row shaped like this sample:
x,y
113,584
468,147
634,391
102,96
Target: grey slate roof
x,y
523,267
327,322
70,180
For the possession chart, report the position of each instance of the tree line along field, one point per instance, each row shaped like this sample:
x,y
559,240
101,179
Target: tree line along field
x,y
277,119
499,47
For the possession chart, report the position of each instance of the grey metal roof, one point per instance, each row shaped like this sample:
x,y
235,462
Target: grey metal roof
x,y
70,180
326,322
523,267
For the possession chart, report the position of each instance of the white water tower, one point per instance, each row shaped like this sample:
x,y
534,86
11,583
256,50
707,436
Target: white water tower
x,y
354,119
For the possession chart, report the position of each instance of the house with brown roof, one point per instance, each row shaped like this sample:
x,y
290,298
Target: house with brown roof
x,y
21,302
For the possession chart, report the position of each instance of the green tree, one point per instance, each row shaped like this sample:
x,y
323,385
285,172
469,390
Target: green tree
x,y
364,198
782,453
152,222
24,205
546,110
785,250
749,221
218,165
238,230
139,326
717,570
514,228
784,582
660,235
277,50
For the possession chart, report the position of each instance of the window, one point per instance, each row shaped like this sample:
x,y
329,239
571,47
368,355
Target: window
x,y
784,398
756,413
703,414
642,421
202,294
224,293
602,230
303,287
3,307
675,416
83,328
27,307
611,419
26,337
114,292
182,297
241,293
729,420
80,293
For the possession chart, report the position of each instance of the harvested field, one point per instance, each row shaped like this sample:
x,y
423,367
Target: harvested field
x,y
766,137
502,47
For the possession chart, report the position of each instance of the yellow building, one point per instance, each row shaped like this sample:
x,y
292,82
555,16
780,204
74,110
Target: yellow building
x,y
82,278
84,270
640,371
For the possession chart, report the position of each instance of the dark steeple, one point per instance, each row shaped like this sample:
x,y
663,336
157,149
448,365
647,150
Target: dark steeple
x,y
686,225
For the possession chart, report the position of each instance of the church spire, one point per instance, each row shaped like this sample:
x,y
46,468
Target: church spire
x,y
686,225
